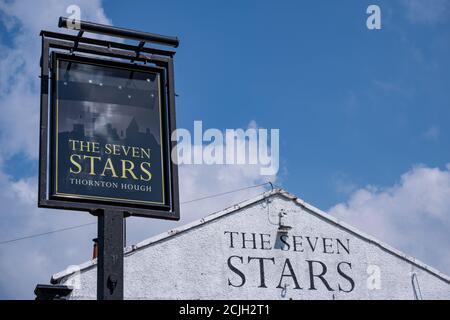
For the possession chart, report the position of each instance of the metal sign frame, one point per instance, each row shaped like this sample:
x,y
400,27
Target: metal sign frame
x,y
137,57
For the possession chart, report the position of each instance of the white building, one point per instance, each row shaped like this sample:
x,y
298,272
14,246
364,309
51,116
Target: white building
x,y
274,246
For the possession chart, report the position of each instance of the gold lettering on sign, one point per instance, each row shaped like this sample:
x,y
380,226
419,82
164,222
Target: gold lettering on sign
x,y
84,160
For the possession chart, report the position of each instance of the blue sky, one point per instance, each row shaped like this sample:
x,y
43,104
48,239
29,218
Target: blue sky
x,y
360,112
348,101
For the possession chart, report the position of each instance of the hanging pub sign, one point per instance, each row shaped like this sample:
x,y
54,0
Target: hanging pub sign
x,y
106,143
107,130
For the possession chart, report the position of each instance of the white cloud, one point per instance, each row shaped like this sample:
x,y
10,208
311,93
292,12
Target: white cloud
x,y
19,67
197,181
25,263
413,215
343,184
427,12
200,180
431,134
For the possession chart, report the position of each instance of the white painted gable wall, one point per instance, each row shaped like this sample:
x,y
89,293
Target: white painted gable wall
x,y
192,262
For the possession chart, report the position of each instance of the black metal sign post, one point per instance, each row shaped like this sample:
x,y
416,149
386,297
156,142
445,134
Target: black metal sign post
x,y
138,84
110,259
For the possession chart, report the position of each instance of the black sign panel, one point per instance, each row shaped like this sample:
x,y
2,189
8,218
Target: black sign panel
x,y
109,135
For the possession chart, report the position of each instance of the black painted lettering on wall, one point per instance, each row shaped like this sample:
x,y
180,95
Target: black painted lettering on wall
x,y
340,244
231,233
294,270
265,241
252,240
345,276
327,245
261,269
286,245
291,275
298,243
320,276
312,246
236,271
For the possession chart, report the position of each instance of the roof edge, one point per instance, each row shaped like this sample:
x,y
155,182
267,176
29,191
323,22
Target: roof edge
x,y
57,277
365,236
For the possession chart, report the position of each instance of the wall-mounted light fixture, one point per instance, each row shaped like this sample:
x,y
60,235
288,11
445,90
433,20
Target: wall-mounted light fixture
x,y
282,226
